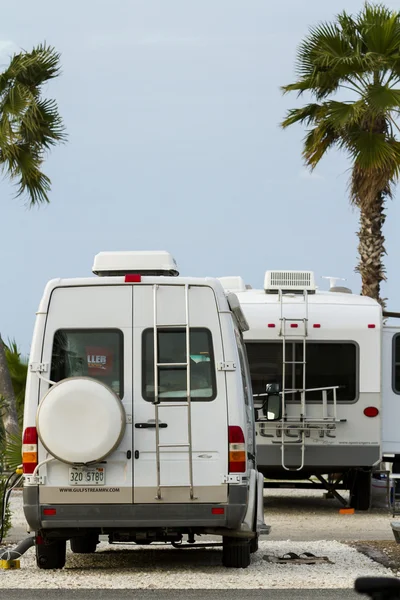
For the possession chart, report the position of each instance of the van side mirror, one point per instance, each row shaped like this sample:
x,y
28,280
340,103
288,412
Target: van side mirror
x,y
272,404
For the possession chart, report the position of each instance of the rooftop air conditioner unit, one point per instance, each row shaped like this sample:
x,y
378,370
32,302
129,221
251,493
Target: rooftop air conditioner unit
x,y
289,281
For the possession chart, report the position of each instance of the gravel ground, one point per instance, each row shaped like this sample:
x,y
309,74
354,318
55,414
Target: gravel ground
x,y
306,515
295,515
161,567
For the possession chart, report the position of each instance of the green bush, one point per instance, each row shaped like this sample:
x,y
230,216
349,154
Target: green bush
x,y
7,520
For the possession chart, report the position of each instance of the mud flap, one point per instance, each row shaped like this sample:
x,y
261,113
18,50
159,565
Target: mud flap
x,y
261,527
248,521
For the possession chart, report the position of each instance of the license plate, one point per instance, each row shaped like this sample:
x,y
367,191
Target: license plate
x,y
80,476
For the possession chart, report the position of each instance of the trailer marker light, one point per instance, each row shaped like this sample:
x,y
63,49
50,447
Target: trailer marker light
x,y
371,411
218,511
317,326
133,278
371,326
293,325
271,325
49,512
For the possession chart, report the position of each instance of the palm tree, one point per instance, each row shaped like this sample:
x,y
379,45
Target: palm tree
x,y
358,57
29,126
10,449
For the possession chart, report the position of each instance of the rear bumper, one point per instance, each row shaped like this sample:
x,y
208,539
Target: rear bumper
x,y
318,458
110,517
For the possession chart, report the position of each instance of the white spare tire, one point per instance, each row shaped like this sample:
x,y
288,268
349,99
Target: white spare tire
x,y
80,420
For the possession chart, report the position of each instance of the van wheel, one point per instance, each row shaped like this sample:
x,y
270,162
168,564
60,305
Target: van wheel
x,y
84,544
254,544
51,555
235,553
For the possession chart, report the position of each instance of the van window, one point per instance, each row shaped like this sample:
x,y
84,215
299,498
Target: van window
x,y
172,382
89,353
396,364
328,364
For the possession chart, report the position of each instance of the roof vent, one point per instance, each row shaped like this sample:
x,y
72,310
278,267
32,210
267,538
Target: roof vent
x,y
108,264
233,284
289,281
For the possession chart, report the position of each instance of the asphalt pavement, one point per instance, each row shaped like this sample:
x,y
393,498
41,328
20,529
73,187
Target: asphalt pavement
x,y
109,594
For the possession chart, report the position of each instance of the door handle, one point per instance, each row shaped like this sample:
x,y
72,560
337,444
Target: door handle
x,y
150,425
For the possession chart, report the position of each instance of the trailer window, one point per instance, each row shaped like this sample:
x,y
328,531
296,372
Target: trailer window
x,y
396,364
89,353
327,365
172,372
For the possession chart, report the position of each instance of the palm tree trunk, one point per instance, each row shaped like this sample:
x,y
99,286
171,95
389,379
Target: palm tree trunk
x,y
9,416
371,248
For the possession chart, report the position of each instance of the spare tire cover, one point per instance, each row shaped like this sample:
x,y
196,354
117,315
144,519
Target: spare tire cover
x,y
80,420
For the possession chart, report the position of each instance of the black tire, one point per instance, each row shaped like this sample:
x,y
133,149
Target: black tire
x,y
85,544
254,544
361,491
235,553
51,555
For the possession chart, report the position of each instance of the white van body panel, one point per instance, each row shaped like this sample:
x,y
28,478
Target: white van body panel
x,y
209,418
85,304
87,307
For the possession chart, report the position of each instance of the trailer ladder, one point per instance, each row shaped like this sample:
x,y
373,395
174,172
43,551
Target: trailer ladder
x,y
158,404
299,427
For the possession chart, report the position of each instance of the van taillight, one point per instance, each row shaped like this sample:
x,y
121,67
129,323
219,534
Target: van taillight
x,y
30,450
237,450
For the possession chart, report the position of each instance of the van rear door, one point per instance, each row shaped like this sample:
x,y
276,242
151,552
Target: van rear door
x,y
163,467
89,333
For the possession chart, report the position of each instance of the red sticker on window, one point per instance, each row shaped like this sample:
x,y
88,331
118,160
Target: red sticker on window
x,y
99,361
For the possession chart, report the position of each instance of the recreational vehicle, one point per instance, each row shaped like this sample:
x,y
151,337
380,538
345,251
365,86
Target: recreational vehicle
x,y
139,418
315,363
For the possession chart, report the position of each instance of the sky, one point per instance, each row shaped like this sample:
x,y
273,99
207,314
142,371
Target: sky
x,y
172,108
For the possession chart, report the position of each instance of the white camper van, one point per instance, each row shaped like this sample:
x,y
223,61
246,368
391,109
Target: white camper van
x,y
139,419
315,363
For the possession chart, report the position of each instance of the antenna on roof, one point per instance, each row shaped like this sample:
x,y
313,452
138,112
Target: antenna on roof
x,y
333,280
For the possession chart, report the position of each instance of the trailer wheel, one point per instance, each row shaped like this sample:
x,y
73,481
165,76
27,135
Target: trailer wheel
x,y
361,490
235,553
85,544
51,555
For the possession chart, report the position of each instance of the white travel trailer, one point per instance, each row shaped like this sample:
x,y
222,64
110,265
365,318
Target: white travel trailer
x,y
315,363
139,418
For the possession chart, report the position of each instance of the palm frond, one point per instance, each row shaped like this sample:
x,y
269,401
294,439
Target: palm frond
x,y
307,115
29,124
13,452
345,114
381,98
317,142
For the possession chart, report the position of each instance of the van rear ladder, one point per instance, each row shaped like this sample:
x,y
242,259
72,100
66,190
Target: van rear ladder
x,y
186,405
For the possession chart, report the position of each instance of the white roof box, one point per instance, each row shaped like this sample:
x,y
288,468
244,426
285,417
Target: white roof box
x,y
233,284
289,281
145,262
